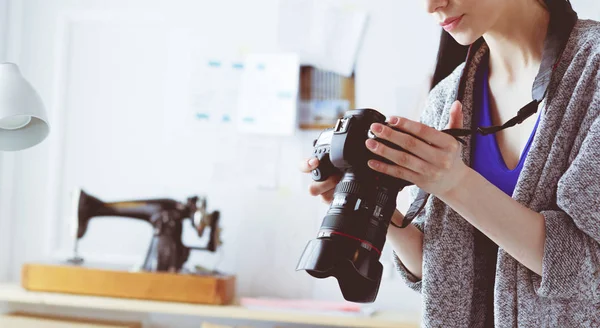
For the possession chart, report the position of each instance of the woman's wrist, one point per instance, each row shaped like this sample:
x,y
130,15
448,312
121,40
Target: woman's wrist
x,y
396,219
406,233
407,244
463,178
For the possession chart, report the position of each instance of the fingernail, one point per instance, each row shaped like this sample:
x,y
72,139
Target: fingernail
x,y
312,162
371,144
373,164
377,128
394,120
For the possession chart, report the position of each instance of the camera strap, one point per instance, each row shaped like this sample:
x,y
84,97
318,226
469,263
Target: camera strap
x,y
562,20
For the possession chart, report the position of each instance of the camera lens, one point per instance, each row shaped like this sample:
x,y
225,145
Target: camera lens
x,y
352,235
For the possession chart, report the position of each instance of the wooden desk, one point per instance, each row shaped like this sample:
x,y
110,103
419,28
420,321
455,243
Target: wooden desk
x,y
13,293
23,320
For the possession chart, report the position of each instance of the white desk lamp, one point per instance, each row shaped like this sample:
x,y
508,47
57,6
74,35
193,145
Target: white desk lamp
x,y
23,119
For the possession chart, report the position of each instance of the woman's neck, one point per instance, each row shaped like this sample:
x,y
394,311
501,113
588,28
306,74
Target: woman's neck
x,y
516,43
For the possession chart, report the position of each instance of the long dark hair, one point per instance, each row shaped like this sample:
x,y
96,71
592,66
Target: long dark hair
x,y
450,55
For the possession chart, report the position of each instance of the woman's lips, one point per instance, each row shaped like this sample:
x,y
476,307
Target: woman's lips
x,y
450,23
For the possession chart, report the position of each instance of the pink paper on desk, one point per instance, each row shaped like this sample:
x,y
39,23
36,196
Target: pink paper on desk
x,y
311,305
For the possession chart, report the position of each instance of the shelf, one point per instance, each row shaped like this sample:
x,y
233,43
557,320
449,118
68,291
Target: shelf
x,y
13,293
316,126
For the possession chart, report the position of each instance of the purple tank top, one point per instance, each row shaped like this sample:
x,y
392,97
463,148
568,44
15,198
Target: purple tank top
x,y
487,158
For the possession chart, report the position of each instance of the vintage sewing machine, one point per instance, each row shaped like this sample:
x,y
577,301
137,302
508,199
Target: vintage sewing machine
x,y
166,251
162,275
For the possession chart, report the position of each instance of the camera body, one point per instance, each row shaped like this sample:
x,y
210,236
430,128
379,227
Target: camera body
x,y
341,148
349,243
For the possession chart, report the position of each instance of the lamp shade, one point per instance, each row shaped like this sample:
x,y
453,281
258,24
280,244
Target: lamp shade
x,y
23,119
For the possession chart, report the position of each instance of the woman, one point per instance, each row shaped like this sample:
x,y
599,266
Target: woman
x,y
511,233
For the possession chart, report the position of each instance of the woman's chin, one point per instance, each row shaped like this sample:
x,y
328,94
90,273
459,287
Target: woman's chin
x,y
465,38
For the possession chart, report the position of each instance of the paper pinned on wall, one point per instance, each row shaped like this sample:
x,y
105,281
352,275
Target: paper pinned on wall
x,y
325,36
268,94
214,88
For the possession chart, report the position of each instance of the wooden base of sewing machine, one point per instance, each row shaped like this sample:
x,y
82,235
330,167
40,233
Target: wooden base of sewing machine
x,y
74,279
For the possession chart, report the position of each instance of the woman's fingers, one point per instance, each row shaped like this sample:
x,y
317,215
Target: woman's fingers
x,y
421,131
307,166
456,116
394,170
400,158
407,142
319,188
327,197
326,188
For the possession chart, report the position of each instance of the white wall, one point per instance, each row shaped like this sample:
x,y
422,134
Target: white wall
x,y
5,185
3,28
587,9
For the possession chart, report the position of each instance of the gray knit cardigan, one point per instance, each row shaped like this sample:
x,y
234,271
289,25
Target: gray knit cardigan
x,y
469,282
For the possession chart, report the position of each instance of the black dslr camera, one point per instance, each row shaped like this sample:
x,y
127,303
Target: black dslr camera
x,y
352,235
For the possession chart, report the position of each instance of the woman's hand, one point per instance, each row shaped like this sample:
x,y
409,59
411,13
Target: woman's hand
x,y
434,166
323,189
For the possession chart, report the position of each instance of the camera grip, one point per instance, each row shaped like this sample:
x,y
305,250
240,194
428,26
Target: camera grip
x,y
324,170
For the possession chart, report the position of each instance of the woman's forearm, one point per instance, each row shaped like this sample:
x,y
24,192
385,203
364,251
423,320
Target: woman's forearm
x,y
408,245
515,228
